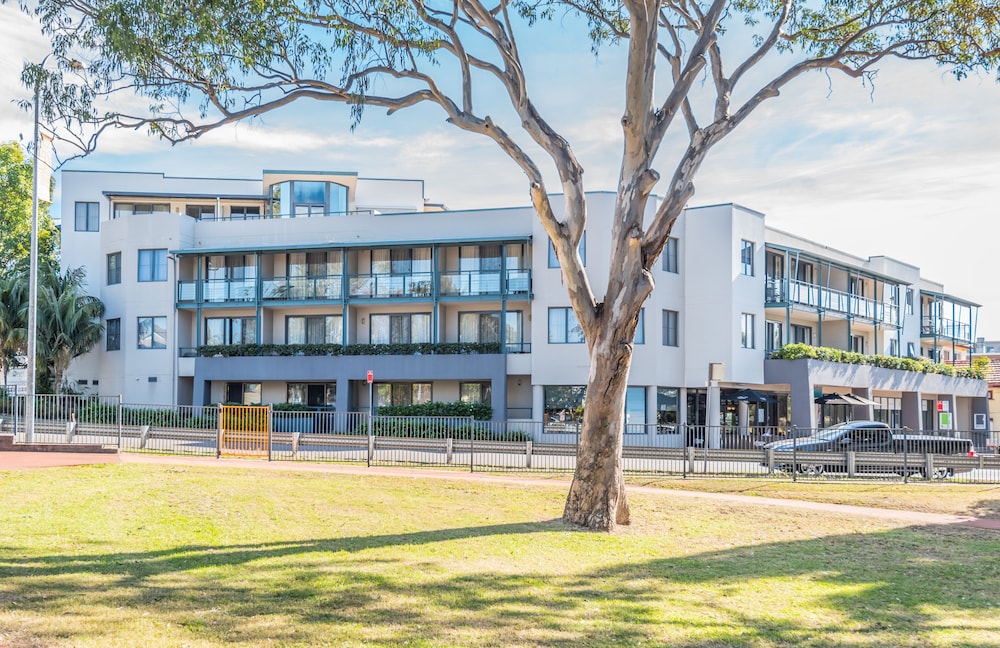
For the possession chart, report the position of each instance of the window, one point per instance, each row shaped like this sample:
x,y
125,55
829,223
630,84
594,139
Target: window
x,y
564,407
152,265
244,212
667,406
387,394
113,329
484,328
640,329
475,392
128,209
152,332
405,328
231,330
306,198
893,347
314,329
554,261
564,327
802,334
635,408
200,211
911,350
774,335
243,393
312,394
670,256
114,268
88,216
747,331
804,272
909,301
858,343
670,337
746,257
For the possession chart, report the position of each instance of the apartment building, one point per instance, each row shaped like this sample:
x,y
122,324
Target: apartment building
x,y
294,286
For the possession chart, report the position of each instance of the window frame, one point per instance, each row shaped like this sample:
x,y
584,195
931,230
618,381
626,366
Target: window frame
x,y
671,256
564,313
113,271
152,333
747,252
553,260
157,266
671,326
113,334
91,216
748,332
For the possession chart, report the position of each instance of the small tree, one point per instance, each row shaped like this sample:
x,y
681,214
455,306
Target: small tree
x,y
13,313
15,212
69,324
237,59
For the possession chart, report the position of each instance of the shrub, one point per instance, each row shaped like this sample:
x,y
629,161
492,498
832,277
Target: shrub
x,y
478,411
800,351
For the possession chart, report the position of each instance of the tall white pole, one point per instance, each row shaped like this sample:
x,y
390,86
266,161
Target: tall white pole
x,y
32,351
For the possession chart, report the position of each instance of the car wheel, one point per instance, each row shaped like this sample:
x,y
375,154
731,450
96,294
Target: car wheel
x,y
811,469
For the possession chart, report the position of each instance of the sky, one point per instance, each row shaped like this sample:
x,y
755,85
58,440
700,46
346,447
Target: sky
x,y
907,167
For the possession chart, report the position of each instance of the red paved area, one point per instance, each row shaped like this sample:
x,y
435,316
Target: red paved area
x,y
19,460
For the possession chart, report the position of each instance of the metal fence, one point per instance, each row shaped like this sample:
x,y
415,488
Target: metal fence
x,y
502,446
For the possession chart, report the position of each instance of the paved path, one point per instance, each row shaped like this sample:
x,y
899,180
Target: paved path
x,y
18,460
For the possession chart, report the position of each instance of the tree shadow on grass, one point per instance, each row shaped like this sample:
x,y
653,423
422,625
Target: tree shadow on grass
x,y
897,587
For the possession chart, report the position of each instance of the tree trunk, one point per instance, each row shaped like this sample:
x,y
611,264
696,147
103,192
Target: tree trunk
x,y
597,496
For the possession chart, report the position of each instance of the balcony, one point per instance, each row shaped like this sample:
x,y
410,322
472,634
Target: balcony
x,y
381,286
477,282
945,328
364,286
780,290
302,288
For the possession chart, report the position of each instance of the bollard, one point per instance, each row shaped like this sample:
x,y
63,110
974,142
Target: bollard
x,y
70,431
143,436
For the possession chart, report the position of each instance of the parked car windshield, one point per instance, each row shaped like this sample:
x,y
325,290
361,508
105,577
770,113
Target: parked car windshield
x,y
831,433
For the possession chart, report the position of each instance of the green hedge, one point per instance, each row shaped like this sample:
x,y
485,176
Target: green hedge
x,y
478,411
254,350
108,415
429,429
799,351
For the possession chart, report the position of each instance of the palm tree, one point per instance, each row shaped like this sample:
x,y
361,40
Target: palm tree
x,y
69,322
13,304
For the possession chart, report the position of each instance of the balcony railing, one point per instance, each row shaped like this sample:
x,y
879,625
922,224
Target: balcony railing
x,y
780,290
364,286
378,286
478,282
945,328
302,288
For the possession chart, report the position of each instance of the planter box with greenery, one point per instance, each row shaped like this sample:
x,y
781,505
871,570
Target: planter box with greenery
x,y
804,351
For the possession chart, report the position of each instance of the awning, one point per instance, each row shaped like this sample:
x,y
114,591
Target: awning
x,y
749,396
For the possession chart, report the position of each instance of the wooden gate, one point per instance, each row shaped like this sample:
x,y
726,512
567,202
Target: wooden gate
x,y
244,431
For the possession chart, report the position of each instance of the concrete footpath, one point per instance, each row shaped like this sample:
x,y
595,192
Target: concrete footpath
x,y
28,460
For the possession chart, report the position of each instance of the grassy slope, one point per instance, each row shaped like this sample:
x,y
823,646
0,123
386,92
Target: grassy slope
x,y
133,555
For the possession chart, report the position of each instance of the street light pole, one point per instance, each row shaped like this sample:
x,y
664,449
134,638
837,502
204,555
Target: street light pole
x,y
32,350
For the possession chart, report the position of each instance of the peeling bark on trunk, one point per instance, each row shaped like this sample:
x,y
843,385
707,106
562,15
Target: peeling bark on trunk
x,y
597,496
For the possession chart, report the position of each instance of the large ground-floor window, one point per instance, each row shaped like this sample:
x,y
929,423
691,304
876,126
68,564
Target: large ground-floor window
x,y
475,392
243,393
402,394
313,394
564,407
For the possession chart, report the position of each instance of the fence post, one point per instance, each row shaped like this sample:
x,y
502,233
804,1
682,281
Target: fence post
x,y
119,421
472,451
449,445
928,466
851,464
371,438
906,451
769,453
527,453
218,437
70,431
270,433
295,444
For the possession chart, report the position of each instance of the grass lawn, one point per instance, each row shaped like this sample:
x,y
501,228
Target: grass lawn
x,y
151,556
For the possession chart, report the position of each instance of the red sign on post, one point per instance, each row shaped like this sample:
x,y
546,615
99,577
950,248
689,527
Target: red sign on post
x,y
371,377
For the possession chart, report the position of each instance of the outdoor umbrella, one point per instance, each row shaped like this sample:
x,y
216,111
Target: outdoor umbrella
x,y
750,396
844,399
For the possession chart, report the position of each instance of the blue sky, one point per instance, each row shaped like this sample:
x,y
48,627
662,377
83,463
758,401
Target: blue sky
x,y
908,169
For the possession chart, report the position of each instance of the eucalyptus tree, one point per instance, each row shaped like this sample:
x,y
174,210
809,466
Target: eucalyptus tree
x,y
694,71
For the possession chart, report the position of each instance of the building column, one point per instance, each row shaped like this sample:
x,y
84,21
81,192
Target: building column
x,y
863,412
682,407
651,411
803,405
713,415
538,403
912,418
343,395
